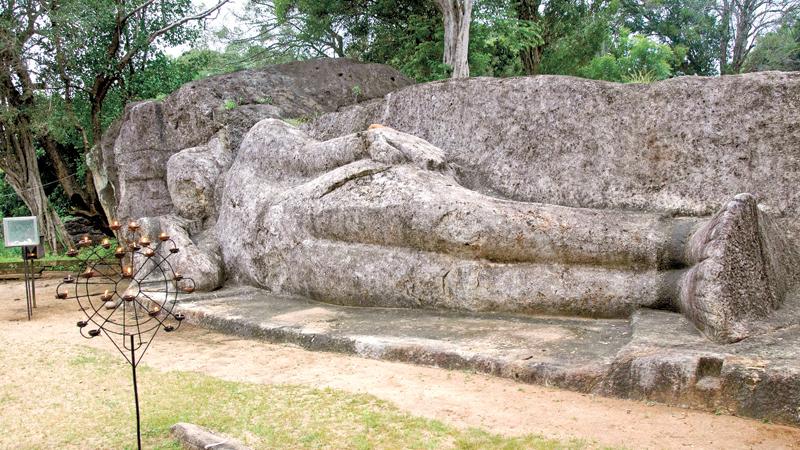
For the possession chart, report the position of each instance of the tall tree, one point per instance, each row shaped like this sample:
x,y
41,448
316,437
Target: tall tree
x,y
690,25
74,51
572,33
122,36
457,15
18,34
742,22
777,50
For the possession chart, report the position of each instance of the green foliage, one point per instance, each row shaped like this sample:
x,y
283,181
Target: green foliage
x,y
229,104
357,92
632,58
10,204
777,50
497,37
689,26
576,32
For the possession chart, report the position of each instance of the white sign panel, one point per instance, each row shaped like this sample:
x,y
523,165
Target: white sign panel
x,y
20,231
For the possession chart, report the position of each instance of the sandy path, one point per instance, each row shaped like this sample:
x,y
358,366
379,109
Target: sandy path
x,y
458,398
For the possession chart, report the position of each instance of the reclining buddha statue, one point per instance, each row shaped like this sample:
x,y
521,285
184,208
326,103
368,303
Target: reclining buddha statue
x,y
379,218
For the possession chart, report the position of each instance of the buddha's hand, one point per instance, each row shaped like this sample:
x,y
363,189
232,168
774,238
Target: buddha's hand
x,y
392,147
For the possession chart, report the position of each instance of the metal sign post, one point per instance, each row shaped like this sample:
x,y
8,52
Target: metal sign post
x,y
24,232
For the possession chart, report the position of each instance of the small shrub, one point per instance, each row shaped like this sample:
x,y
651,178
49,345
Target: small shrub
x,y
357,92
229,104
641,76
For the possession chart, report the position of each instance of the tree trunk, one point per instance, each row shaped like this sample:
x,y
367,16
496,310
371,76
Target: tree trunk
x,y
457,17
744,23
532,56
725,36
22,174
79,198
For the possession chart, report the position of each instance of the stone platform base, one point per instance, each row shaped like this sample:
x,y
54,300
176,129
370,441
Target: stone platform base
x,y
656,355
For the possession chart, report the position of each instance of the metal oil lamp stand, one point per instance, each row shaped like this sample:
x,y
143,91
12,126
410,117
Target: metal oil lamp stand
x,y
114,302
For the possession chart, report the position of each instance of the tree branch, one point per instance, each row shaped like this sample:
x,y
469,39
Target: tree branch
x,y
154,35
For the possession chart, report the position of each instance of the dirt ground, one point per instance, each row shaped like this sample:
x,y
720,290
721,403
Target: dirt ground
x,y
459,398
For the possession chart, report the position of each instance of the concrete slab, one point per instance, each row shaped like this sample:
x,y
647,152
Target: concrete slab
x,y
656,355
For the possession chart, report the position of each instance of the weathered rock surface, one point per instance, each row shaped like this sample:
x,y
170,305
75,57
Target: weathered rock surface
x,y
193,437
656,355
79,227
539,195
166,158
193,177
378,219
198,257
681,146
744,269
130,163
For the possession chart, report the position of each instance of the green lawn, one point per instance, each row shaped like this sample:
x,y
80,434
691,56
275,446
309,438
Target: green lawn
x,y
61,396
10,257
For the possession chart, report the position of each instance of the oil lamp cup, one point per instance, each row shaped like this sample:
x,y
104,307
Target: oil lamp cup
x,y
115,226
129,297
144,241
163,237
72,253
119,252
178,276
105,243
69,279
154,311
127,272
62,295
106,296
133,226
90,273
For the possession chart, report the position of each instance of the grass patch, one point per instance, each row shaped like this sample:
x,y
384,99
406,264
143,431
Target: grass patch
x,y
296,121
84,400
229,104
10,257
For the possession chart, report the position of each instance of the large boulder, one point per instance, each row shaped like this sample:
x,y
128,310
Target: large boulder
x,y
681,146
378,218
130,163
164,159
530,195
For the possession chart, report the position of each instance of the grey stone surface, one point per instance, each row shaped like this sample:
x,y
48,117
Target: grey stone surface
x,y
165,158
684,146
130,163
193,176
744,268
194,437
536,196
198,257
378,218
656,355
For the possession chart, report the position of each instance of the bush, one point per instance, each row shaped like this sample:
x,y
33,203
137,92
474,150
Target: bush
x,y
633,58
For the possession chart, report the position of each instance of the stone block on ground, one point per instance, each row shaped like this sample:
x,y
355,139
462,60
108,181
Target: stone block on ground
x,y
193,437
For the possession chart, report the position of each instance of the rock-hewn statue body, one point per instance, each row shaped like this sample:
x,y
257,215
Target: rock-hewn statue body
x,y
533,195
378,219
